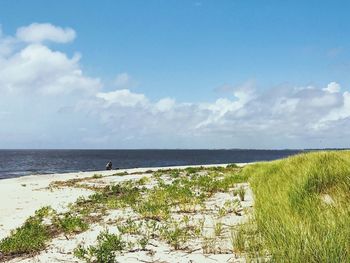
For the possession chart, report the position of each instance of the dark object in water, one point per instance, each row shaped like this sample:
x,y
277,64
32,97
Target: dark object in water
x,y
109,166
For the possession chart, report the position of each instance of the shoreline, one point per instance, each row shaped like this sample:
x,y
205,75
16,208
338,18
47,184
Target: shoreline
x,y
22,196
125,169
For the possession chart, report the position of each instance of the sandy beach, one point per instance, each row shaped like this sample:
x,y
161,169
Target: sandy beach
x,y
21,197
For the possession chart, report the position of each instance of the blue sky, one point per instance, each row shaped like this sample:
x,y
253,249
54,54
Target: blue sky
x,y
214,66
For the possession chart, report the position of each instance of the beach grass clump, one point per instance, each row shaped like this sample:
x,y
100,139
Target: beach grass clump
x,y
175,173
241,193
209,245
121,173
193,170
153,208
106,250
218,228
130,227
143,180
70,224
301,206
232,165
175,234
97,176
31,237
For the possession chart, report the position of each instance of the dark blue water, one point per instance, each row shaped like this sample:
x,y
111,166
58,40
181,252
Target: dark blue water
x,y
14,163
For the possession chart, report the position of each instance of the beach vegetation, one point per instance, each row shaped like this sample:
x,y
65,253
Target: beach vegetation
x,y
29,238
175,234
218,229
170,192
121,174
97,176
295,220
143,180
241,193
69,223
232,165
130,227
209,245
108,245
192,170
238,240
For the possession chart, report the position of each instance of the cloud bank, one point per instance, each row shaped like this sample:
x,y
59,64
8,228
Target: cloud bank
x,y
47,101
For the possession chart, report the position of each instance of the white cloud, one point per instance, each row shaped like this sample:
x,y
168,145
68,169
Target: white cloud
x,y
338,113
6,43
332,87
123,98
36,68
165,104
36,33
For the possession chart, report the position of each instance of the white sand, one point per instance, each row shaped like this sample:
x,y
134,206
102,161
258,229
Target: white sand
x,y
20,197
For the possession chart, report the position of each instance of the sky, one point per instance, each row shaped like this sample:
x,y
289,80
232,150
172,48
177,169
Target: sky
x,y
174,74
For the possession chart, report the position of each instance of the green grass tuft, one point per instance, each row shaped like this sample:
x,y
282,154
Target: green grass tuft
x,y
108,245
71,224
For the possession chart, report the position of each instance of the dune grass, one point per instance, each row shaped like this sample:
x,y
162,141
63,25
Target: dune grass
x,y
302,208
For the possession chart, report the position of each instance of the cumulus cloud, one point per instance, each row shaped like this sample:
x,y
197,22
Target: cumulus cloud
x,y
338,113
288,114
123,98
36,33
332,87
48,100
38,69
165,104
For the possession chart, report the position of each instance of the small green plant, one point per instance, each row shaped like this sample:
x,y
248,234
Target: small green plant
x,y
71,224
209,245
130,227
186,220
237,240
193,170
108,245
232,206
150,209
218,229
175,235
232,165
120,174
43,212
97,176
201,223
175,173
144,180
241,193
143,242
222,212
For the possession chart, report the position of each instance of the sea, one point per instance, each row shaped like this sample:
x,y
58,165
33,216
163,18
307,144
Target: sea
x,y
15,163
